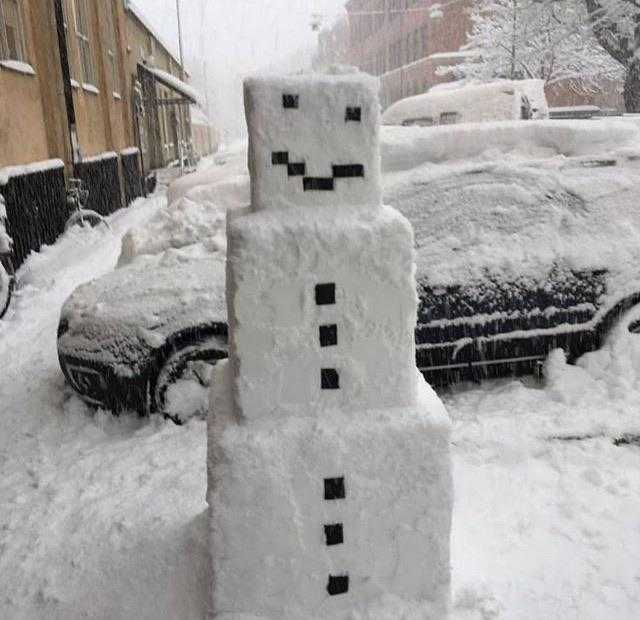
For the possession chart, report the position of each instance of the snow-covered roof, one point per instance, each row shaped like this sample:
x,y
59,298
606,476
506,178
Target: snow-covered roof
x,y
131,6
174,83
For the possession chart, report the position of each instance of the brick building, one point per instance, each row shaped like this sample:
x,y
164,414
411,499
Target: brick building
x,y
405,41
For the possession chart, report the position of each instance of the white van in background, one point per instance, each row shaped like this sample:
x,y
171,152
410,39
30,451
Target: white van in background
x,y
446,104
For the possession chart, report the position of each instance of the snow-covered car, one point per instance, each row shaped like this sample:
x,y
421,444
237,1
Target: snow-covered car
x,y
6,265
144,336
519,253
125,339
449,104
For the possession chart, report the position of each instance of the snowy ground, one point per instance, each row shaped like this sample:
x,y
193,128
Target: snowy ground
x,y
104,518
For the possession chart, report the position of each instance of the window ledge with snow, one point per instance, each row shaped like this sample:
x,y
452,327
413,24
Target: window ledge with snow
x,y
18,66
90,88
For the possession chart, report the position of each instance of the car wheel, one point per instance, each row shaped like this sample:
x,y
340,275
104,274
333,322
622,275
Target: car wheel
x,y
181,385
7,282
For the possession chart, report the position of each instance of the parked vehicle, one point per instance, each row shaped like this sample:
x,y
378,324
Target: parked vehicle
x,y
517,259
516,256
7,277
125,338
497,101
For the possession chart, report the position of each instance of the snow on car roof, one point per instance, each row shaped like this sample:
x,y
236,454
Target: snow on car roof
x,y
518,219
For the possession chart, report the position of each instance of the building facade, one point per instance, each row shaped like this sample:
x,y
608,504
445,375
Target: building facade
x,y
87,90
405,41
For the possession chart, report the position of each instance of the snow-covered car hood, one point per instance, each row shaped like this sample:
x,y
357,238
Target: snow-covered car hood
x,y
520,219
119,317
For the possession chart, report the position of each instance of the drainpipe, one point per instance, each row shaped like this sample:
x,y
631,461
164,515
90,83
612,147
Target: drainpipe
x,y
76,154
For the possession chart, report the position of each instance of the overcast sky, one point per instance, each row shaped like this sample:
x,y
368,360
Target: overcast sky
x,y
233,38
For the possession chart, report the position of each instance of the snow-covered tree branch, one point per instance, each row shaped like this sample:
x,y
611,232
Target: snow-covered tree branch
x,y
549,39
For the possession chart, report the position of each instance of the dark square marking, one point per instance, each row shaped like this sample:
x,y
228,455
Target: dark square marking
x,y
280,158
333,534
290,101
328,335
329,379
338,584
334,488
353,114
325,294
318,183
350,170
296,170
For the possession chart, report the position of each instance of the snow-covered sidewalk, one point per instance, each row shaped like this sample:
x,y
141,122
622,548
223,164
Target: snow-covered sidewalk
x,y
104,517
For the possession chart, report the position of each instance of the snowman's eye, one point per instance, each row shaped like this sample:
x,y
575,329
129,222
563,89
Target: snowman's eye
x,y
290,101
353,114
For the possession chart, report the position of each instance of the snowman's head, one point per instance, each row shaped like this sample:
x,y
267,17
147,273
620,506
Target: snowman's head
x,y
313,141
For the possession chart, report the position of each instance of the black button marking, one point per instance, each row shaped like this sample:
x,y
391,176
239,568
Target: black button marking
x,y
328,335
334,488
329,379
325,294
333,534
338,584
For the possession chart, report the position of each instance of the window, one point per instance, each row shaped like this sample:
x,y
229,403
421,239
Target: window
x,y
82,32
71,58
449,118
112,49
12,39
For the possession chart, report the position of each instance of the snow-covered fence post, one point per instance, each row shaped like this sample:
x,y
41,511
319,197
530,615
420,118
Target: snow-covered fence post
x,y
329,467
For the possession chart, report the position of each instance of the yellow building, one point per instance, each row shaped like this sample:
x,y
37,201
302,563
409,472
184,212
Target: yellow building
x,y
124,109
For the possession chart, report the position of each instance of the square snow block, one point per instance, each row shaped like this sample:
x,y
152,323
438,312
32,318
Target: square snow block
x,y
396,515
334,488
305,117
287,275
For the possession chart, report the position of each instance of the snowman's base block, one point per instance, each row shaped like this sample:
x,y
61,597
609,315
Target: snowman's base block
x,y
342,516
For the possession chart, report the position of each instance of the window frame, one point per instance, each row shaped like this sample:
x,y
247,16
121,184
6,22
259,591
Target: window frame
x,y
112,49
22,51
82,13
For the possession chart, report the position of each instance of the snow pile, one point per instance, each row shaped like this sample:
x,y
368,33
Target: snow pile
x,y
329,470
186,222
196,212
407,147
